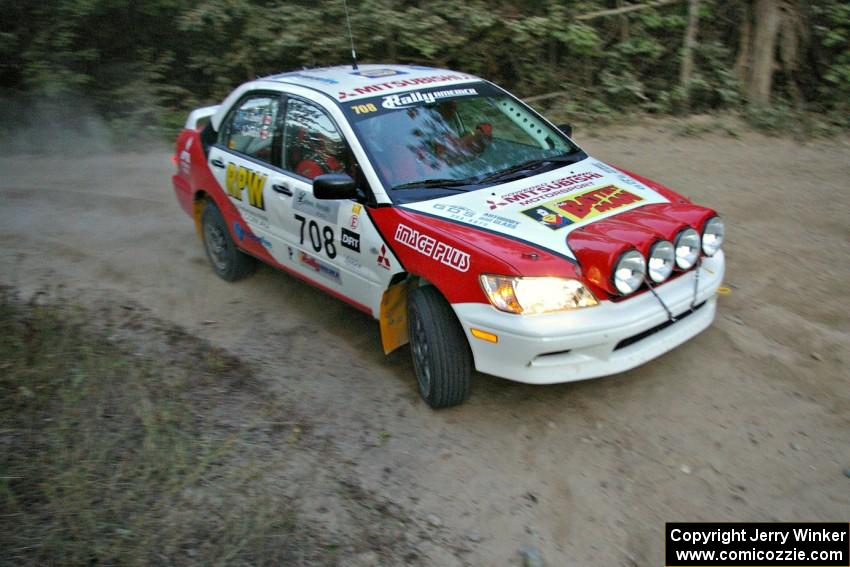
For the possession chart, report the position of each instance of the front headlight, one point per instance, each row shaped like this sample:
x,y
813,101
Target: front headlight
x,y
712,235
629,272
687,248
529,296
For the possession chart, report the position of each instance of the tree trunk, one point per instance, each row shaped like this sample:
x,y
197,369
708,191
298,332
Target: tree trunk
x,y
686,71
624,24
742,61
767,20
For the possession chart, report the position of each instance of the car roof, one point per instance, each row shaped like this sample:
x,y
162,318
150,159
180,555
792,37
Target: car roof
x,y
344,83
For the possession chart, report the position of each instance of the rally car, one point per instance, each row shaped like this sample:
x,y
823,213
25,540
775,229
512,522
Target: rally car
x,y
465,222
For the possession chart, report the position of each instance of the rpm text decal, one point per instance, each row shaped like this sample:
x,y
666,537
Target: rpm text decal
x,y
241,179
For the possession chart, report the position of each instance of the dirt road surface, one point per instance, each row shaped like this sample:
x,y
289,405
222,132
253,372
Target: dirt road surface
x,y
748,421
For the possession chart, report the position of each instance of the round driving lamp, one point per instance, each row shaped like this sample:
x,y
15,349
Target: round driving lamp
x,y
662,257
629,271
687,248
712,235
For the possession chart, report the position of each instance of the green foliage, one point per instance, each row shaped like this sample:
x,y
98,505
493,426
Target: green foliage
x,y
832,35
135,61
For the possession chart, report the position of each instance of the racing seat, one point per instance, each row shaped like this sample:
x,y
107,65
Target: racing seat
x,y
312,157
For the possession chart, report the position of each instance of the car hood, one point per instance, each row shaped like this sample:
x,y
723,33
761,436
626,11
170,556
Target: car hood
x,y
545,209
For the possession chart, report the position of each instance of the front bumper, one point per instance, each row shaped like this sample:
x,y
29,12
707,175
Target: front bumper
x,y
595,341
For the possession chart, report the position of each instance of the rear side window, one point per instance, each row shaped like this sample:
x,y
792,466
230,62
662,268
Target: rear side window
x,y
250,128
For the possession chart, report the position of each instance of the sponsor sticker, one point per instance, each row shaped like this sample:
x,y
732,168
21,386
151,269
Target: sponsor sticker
x,y
186,157
433,248
455,211
350,240
353,263
504,222
243,234
547,218
582,206
626,179
322,268
254,219
469,216
240,179
592,203
543,191
377,73
383,258
325,210
415,98
326,80
398,84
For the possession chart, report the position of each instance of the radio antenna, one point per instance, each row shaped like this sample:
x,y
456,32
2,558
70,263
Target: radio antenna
x,y
350,36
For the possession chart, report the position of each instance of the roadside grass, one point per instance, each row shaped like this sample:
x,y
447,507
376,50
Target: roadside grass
x,y
110,457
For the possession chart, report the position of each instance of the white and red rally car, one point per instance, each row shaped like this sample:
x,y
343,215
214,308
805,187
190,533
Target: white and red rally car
x,y
464,221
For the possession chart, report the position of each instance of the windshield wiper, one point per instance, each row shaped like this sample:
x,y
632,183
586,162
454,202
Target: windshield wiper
x,y
430,183
572,157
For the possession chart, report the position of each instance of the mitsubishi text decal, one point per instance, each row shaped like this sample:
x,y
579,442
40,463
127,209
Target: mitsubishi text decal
x,y
400,84
543,191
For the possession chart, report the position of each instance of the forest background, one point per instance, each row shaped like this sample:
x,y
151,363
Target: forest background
x,y
139,66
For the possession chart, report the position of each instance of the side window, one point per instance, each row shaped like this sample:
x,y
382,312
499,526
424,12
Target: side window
x,y
311,143
250,128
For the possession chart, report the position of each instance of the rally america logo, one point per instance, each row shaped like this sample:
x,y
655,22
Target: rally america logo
x,y
412,99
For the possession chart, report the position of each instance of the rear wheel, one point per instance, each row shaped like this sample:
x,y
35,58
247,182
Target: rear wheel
x,y
227,260
442,360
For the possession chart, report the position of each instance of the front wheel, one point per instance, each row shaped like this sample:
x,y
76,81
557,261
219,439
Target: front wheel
x,y
442,360
227,260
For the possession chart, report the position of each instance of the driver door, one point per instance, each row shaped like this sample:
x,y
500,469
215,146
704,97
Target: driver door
x,y
330,242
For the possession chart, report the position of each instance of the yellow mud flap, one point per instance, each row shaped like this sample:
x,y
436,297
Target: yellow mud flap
x,y
394,317
198,210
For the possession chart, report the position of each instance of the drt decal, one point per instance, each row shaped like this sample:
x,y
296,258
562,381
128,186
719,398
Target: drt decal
x,y
241,178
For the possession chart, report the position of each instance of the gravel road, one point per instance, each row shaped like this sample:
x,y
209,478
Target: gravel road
x,y
748,421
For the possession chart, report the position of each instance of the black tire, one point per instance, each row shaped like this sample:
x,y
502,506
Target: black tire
x,y
226,259
442,360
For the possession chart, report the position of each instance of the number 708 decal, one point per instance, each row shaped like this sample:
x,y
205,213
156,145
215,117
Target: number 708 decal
x,y
320,238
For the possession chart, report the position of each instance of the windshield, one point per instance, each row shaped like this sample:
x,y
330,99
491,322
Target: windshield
x,y
426,143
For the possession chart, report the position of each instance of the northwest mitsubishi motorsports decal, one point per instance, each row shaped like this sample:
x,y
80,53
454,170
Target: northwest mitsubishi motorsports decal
x,y
545,208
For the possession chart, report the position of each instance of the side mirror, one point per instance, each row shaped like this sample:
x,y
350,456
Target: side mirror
x,y
334,186
566,129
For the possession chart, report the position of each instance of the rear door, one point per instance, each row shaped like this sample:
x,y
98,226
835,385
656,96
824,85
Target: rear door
x,y
245,162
